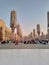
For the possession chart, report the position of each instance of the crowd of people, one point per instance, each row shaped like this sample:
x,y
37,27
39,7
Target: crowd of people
x,y
36,41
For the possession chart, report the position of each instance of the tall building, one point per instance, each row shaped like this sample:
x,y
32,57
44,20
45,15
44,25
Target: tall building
x,y
48,25
13,24
38,29
16,30
13,20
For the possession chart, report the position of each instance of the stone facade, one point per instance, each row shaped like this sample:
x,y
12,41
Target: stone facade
x,y
4,31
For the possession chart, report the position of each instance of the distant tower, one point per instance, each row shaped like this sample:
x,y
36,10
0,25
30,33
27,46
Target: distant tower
x,y
19,32
48,25
13,20
38,29
42,35
34,33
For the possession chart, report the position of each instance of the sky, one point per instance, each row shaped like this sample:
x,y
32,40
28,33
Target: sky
x,y
29,13
24,57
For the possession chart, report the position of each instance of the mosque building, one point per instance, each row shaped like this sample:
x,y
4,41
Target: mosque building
x,y
5,32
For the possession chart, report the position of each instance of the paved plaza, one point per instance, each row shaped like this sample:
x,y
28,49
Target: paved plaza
x,y
24,46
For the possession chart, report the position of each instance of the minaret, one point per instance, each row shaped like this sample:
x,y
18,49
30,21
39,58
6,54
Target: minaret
x,y
48,25
13,20
19,32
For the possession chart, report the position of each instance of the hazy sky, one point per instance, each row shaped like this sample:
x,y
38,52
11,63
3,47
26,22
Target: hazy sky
x,y
24,57
29,13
